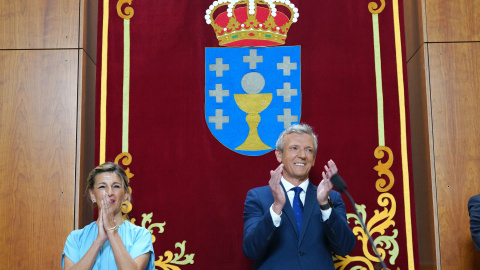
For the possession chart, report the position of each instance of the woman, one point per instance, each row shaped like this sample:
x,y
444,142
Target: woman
x,y
110,242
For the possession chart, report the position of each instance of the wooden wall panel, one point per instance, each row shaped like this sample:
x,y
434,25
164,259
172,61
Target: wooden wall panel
x,y
39,24
85,139
414,26
455,99
38,106
88,27
452,21
425,202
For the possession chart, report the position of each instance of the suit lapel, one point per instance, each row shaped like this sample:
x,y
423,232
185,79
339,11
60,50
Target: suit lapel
x,y
288,211
310,202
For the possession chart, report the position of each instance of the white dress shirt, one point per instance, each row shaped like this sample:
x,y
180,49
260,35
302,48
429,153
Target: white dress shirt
x,y
290,193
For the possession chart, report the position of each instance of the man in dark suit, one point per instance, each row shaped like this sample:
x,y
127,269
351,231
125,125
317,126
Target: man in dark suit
x,y
277,234
474,212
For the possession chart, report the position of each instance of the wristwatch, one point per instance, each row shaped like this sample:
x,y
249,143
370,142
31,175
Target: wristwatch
x,y
327,206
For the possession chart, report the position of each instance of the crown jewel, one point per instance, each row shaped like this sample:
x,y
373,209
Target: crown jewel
x,y
251,22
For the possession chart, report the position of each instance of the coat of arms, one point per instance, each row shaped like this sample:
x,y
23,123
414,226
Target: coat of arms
x,y
251,93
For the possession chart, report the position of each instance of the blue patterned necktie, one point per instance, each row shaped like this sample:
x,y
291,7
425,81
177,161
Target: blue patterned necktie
x,y
297,206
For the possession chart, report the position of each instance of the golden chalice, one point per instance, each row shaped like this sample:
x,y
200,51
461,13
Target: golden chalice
x,y
253,104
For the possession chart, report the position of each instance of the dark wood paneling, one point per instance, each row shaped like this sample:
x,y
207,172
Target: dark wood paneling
x,y
39,24
425,202
38,108
86,138
413,18
452,21
86,120
455,98
88,27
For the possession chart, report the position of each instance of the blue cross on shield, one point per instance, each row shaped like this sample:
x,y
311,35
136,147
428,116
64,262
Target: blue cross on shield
x,y
251,95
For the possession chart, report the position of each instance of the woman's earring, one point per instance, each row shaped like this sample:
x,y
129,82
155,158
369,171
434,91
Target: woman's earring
x,y
93,200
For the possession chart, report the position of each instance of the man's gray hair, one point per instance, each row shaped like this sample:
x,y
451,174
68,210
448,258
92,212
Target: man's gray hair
x,y
300,129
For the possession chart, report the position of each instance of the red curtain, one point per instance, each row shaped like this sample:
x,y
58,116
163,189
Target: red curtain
x,y
188,179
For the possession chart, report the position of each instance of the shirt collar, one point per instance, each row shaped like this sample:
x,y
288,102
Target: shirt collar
x,y
288,186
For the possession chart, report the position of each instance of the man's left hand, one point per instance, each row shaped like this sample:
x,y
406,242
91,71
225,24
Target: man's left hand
x,y
325,185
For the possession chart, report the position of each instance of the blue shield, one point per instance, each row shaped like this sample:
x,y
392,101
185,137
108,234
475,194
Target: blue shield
x,y
251,95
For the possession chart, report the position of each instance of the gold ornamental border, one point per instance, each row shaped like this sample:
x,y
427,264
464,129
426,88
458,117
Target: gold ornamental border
x,y
386,244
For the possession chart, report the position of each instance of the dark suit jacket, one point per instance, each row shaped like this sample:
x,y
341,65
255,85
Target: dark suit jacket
x,y
474,212
285,247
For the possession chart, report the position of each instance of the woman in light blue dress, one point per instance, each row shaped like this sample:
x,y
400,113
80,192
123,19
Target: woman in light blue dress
x,y
110,242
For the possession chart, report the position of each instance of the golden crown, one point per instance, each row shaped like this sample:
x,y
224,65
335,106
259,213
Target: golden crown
x,y
251,22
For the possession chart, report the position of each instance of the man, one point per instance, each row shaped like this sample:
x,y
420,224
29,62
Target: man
x,y
274,236
474,212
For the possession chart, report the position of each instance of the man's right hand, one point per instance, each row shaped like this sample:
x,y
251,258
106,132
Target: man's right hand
x,y
277,190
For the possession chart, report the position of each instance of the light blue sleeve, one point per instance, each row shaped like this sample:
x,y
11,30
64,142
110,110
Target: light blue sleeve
x,y
71,248
143,244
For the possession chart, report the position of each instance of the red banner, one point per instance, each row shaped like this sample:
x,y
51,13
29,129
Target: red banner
x,y
189,187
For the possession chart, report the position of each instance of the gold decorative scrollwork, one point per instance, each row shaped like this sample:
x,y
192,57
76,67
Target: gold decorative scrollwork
x,y
385,243
148,218
377,225
128,10
126,159
171,258
341,263
384,169
380,222
374,9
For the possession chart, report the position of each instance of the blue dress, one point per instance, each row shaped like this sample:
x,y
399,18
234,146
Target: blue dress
x,y
137,241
